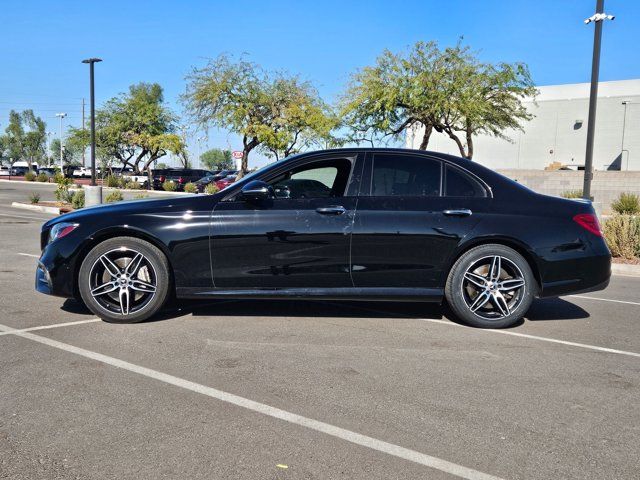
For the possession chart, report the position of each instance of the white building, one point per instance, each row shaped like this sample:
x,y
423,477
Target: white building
x,y
558,131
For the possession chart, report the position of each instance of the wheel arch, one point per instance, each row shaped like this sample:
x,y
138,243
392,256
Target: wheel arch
x,y
510,242
119,231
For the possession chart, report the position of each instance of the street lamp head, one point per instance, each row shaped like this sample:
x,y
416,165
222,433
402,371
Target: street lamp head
x,y
61,115
92,60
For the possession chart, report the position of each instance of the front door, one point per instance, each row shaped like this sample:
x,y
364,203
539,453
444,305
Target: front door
x,y
298,239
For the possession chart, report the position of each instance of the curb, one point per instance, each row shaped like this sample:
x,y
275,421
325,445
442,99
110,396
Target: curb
x,y
36,208
625,269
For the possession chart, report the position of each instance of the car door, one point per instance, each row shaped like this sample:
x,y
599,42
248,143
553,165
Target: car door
x,y
406,227
298,239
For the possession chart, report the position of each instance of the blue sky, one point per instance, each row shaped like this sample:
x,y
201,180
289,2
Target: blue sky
x,y
43,43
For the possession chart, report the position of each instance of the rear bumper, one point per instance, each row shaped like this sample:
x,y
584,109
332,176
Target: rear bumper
x,y
588,274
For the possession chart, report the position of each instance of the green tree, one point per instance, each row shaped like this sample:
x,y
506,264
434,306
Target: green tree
x,y
25,137
217,158
135,129
71,153
257,105
447,90
303,120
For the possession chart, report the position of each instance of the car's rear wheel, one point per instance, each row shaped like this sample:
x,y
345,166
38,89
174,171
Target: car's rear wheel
x,y
490,286
124,280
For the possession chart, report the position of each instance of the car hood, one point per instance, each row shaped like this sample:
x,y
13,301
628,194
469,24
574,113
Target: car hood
x,y
119,209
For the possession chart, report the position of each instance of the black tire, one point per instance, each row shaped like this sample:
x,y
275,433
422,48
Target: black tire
x,y
147,285
468,287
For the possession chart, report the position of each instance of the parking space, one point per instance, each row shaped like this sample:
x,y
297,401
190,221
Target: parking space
x,y
257,389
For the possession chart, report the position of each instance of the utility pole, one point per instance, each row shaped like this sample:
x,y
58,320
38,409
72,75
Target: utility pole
x,y
83,129
598,18
61,116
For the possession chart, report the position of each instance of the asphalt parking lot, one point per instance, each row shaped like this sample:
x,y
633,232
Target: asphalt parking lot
x,y
277,390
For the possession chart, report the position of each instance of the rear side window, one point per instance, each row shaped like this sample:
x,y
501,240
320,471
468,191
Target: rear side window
x,y
459,184
405,175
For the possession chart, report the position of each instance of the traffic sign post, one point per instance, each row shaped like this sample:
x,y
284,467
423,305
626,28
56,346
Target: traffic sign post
x,y
237,156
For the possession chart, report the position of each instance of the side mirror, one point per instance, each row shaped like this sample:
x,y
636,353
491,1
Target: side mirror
x,y
257,190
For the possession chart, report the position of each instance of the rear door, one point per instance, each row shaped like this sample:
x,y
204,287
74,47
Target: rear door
x,y
410,219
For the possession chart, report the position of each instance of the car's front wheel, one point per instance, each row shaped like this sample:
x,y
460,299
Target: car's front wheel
x,y
124,280
490,286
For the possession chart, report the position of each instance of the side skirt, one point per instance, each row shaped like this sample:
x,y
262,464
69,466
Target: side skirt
x,y
381,294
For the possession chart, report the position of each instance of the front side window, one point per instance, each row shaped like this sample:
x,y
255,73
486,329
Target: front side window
x,y
323,179
405,175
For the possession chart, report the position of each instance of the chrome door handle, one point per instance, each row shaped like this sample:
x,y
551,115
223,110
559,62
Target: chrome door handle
x,y
459,212
331,210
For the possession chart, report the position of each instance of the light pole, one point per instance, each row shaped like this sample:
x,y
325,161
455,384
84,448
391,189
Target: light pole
x,y
49,148
598,18
91,62
200,140
61,116
624,124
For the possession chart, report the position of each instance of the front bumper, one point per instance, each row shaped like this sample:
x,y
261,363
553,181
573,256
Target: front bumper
x,y
43,280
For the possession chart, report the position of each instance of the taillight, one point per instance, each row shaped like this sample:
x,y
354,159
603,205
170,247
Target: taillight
x,y
589,222
180,180
161,178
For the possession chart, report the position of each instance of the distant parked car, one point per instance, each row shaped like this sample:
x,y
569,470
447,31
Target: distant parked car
x,y
48,171
82,172
5,171
181,176
141,179
19,171
204,181
226,181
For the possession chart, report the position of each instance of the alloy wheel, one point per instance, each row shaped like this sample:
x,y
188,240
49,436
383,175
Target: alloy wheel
x,y
492,287
123,281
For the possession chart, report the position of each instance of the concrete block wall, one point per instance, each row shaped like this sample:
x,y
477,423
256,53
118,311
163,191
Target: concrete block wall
x,y
605,188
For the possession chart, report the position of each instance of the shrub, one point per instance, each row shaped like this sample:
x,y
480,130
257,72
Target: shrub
x,y
191,188
34,197
622,233
170,186
77,200
572,194
115,196
30,176
211,189
58,177
42,177
62,191
131,185
627,204
113,181
62,181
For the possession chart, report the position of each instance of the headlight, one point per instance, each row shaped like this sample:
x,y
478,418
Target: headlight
x,y
60,230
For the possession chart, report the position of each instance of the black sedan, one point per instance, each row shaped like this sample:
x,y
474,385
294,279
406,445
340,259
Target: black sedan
x,y
365,224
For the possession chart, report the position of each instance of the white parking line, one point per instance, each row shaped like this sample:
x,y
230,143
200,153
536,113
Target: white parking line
x,y
605,299
29,255
449,323
44,219
328,429
46,327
